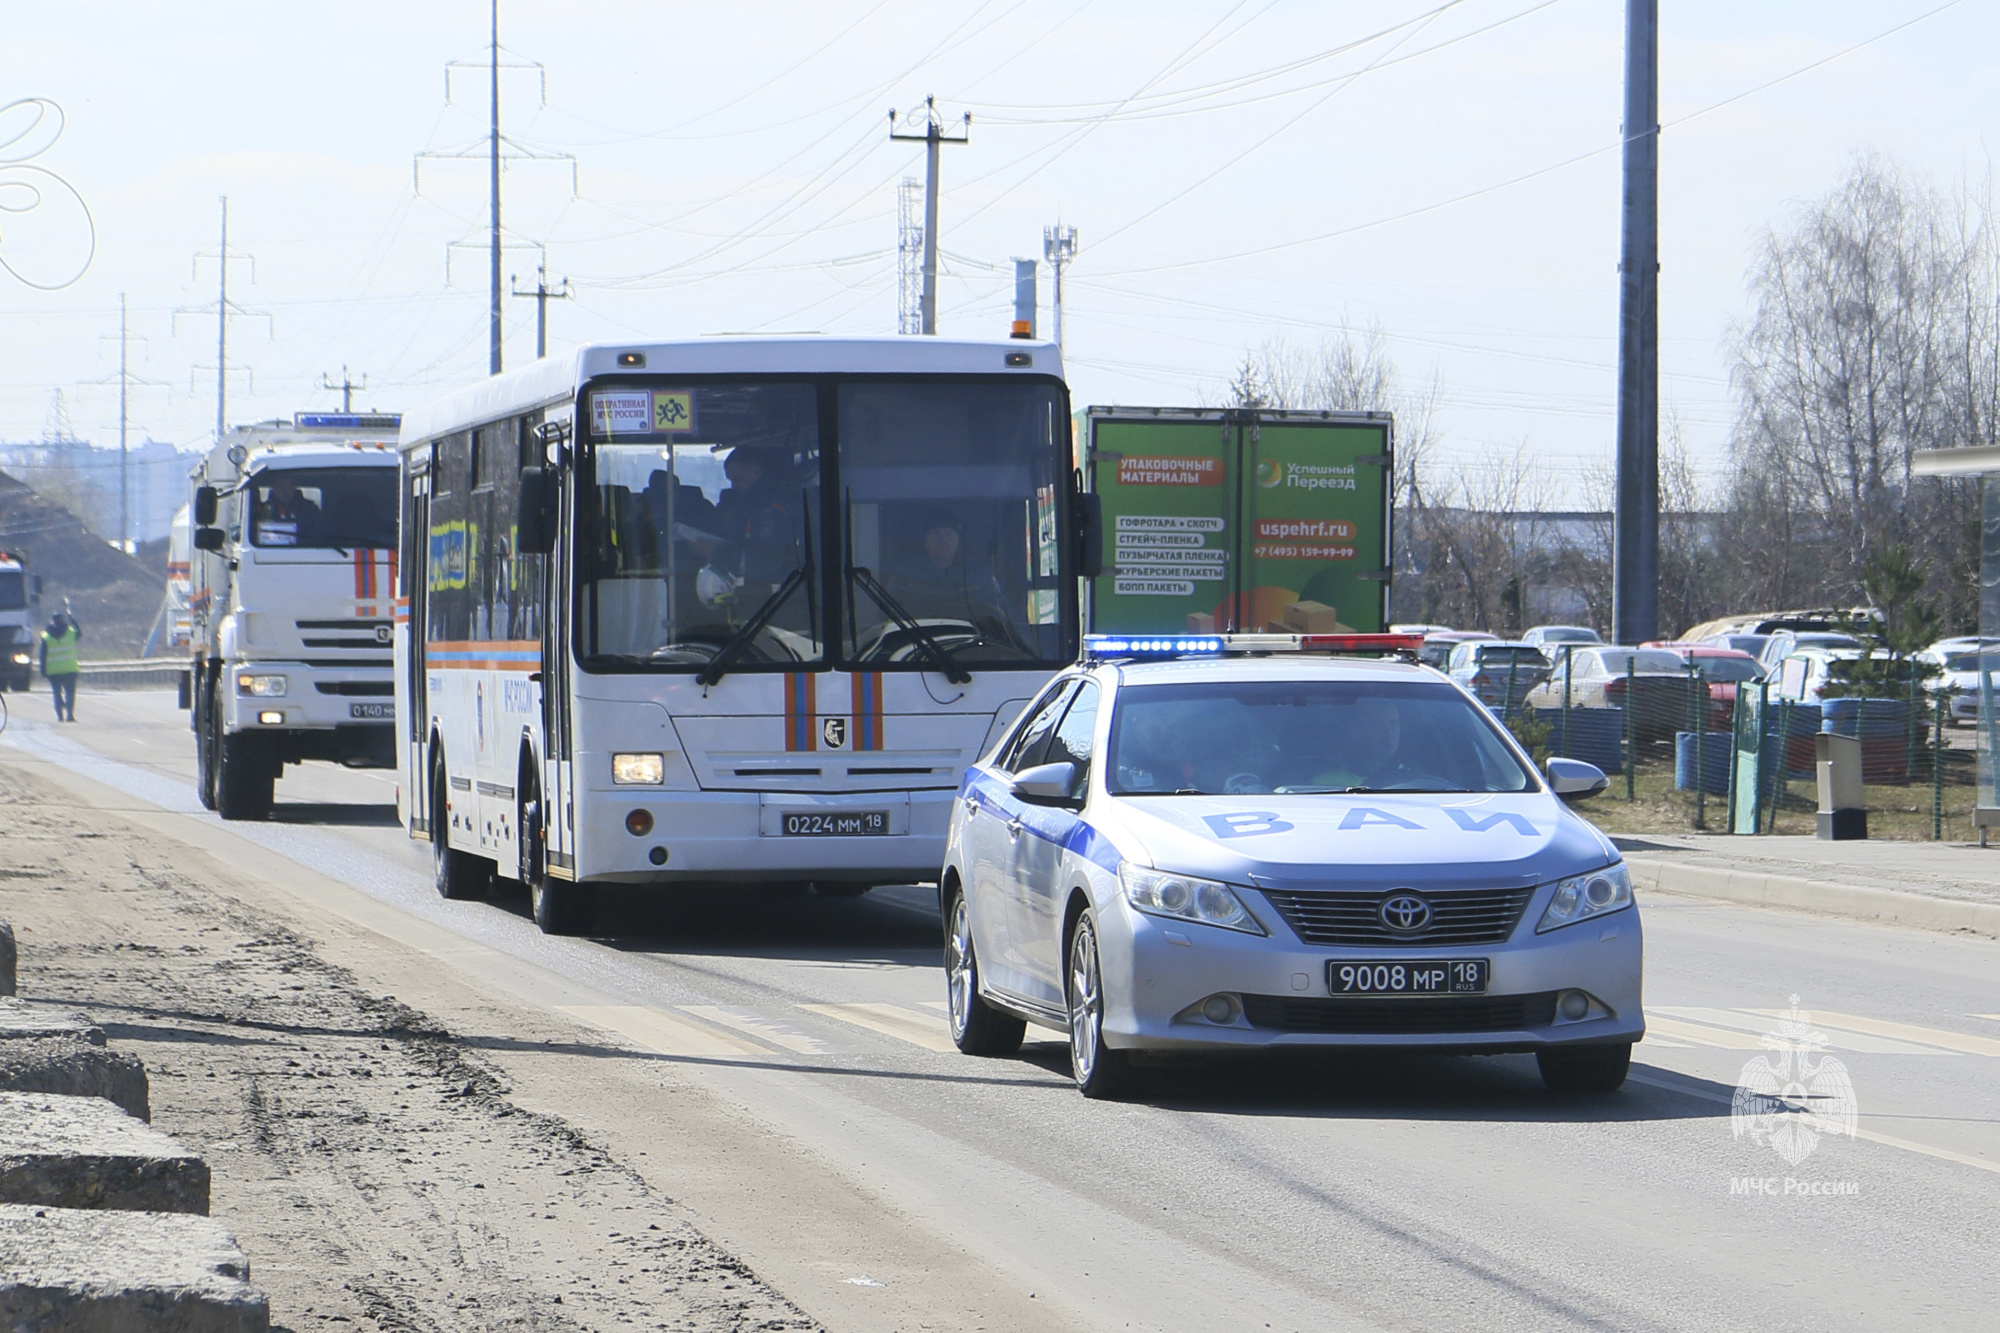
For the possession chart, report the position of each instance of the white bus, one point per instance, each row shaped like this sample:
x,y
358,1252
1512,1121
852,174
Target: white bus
x,y
726,610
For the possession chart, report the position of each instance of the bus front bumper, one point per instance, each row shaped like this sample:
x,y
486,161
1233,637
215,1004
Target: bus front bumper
x,y
761,837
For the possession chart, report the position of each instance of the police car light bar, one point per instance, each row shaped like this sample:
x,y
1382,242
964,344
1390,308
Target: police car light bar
x,y
1211,645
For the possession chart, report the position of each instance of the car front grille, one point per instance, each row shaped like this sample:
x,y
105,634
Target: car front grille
x,y
1466,916
1416,1016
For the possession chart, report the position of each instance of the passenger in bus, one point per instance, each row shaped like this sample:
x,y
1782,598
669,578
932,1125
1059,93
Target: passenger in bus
x,y
681,513
755,515
938,578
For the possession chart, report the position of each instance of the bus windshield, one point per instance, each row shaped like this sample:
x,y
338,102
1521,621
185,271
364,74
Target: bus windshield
x,y
336,508
705,518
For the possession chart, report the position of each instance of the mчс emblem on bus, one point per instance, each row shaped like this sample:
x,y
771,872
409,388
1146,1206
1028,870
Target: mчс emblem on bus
x,y
833,731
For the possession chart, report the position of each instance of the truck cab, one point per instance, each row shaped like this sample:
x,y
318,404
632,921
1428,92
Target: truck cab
x,y
20,596
290,597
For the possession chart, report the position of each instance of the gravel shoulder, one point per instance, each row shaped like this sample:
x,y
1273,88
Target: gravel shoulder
x,y
374,1166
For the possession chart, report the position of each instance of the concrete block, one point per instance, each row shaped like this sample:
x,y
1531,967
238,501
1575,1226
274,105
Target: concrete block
x,y
33,1020
7,959
83,1152
74,1068
108,1272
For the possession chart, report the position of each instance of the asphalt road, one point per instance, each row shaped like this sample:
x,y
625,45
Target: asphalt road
x,y
1404,1192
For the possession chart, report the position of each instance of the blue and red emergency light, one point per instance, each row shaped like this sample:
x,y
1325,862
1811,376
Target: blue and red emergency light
x,y
1217,645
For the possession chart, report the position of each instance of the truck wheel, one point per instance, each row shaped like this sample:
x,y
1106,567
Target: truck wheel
x,y
244,776
204,747
458,875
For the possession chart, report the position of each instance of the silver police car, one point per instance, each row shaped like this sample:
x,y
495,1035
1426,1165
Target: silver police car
x,y
1203,844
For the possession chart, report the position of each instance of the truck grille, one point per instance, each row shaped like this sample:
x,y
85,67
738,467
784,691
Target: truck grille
x,y
1464,916
1416,1016
342,633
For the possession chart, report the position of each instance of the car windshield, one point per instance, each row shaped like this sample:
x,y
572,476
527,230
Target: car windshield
x,y
13,593
1563,634
335,508
1729,670
1502,657
1955,662
1642,660
1311,736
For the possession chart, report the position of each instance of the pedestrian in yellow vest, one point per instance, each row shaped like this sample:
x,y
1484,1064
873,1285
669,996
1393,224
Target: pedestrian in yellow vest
x,y
59,663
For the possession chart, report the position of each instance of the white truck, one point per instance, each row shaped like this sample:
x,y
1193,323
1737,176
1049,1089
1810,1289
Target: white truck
x,y
291,598
20,597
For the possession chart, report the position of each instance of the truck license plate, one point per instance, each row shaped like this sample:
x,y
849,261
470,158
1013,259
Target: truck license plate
x,y
842,824
1423,976
371,710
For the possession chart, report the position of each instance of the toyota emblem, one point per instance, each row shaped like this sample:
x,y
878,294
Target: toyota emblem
x,y
1405,913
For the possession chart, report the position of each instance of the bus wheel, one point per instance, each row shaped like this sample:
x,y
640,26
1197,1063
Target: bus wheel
x,y
458,875
557,907
243,776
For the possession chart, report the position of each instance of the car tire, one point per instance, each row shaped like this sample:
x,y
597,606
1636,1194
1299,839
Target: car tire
x,y
243,776
1102,1073
459,876
1585,1068
977,1028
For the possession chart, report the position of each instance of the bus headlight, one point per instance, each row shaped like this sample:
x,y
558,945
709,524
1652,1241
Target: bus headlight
x,y
262,687
643,770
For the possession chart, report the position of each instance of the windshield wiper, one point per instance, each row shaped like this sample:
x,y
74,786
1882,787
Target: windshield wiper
x,y
751,627
927,643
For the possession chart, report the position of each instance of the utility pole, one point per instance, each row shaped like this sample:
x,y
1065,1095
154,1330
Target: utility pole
x,y
933,138
1058,248
124,457
543,294
224,308
1635,591
493,168
346,388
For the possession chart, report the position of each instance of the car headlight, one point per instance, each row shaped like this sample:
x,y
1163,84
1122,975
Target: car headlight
x,y
262,687
20,659
648,770
1581,897
1186,898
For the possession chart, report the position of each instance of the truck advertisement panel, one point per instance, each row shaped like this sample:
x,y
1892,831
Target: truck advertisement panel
x,y
1227,520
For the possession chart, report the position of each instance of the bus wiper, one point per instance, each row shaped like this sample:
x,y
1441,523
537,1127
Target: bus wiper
x,y
939,656
752,627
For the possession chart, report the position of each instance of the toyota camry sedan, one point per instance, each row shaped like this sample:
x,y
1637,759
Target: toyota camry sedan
x,y
1241,843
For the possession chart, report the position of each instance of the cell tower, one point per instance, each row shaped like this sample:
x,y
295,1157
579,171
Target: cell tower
x,y
910,256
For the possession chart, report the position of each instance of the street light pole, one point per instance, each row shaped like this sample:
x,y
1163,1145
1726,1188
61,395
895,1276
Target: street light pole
x,y
1635,592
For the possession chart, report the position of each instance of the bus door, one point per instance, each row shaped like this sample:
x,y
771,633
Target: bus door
x,y
416,588
557,776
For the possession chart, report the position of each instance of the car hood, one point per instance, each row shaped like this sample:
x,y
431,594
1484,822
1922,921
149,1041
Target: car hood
x,y
1361,841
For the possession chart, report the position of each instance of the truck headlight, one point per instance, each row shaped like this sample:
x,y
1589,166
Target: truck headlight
x,y
645,770
262,687
1186,898
1581,897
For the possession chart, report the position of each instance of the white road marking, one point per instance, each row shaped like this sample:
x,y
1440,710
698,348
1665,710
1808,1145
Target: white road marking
x,y
761,1026
891,1020
663,1033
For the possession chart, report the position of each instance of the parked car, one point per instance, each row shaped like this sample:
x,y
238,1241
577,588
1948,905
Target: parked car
x,y
1438,646
1783,643
1957,664
1419,629
1488,669
1546,637
1752,644
1723,669
1804,676
1659,691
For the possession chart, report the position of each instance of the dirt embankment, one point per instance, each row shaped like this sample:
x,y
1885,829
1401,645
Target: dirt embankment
x,y
115,596
373,1168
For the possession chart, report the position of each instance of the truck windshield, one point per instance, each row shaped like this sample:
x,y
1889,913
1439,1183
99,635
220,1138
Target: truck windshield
x,y
323,508
13,592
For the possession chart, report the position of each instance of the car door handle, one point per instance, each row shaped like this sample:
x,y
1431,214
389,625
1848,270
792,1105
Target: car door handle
x,y
971,807
1014,827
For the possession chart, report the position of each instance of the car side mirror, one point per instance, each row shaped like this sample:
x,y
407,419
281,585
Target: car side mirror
x,y
204,505
1046,784
1574,780
208,539
533,533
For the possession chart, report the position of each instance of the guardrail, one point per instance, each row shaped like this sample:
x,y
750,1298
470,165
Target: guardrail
x,y
141,673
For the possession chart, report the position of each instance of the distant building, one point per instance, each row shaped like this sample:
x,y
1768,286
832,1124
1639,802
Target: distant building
x,y
83,478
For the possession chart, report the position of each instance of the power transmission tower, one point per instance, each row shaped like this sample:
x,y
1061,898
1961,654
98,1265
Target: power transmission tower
x,y
1635,590
543,294
933,138
224,308
495,148
346,387
1058,248
126,381
909,257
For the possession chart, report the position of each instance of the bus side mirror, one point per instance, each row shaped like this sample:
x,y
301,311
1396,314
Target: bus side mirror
x,y
1089,534
208,539
204,507
533,533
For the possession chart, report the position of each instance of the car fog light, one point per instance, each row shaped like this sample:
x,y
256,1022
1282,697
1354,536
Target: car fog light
x,y
270,718
658,856
1220,1009
639,823
1574,1004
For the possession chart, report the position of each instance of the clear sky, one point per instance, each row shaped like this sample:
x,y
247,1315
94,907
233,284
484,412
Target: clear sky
x,y
1236,171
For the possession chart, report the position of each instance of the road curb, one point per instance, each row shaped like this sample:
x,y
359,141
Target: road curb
x,y
1801,894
